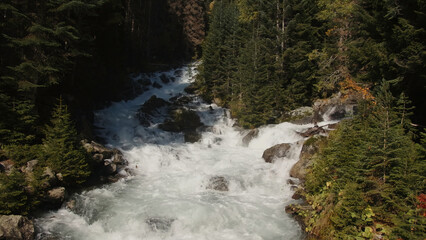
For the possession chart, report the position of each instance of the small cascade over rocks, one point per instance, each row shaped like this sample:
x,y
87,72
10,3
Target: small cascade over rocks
x,y
215,185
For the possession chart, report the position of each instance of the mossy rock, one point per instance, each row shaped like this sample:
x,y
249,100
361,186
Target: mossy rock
x,y
309,149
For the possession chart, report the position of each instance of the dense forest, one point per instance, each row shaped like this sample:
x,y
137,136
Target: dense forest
x,y
263,59
62,59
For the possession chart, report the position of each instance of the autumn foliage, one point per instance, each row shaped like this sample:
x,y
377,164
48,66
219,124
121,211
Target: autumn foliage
x,y
350,87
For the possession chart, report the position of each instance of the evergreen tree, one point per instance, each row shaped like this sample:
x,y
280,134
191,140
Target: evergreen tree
x,y
62,151
381,164
12,194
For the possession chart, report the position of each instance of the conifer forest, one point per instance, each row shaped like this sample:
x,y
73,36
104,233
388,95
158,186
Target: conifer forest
x,y
63,61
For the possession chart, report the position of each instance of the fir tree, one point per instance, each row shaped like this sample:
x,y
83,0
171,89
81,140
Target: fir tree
x,y
63,153
12,194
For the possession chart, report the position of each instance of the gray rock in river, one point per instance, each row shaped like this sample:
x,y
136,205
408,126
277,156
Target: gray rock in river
x,y
313,131
152,109
277,151
159,223
108,161
16,227
250,136
218,183
183,120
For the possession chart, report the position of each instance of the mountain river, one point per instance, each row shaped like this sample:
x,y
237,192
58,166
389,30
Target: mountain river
x,y
167,195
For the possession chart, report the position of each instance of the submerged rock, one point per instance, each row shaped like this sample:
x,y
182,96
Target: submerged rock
x,y
192,136
218,183
250,136
16,227
159,223
277,151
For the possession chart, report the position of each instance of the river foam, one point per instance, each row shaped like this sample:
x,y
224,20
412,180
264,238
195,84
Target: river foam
x,y
167,196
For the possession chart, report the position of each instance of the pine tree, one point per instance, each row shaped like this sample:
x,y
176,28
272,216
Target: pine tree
x,y
62,151
12,195
381,162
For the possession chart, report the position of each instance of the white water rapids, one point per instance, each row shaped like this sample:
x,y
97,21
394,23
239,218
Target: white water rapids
x,y
167,196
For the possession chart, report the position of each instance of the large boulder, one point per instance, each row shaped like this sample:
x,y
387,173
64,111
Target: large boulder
x,y
218,183
250,136
277,151
16,227
309,149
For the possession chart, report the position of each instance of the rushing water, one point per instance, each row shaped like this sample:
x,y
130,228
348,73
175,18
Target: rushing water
x,y
167,196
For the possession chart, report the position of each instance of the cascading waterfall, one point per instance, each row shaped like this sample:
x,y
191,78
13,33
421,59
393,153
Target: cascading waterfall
x,y
167,196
